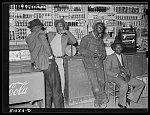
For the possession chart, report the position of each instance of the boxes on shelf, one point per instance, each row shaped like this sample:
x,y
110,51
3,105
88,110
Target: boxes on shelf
x,y
14,55
25,55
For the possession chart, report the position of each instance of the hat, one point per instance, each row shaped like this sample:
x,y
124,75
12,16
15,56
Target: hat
x,y
35,22
60,21
97,21
117,41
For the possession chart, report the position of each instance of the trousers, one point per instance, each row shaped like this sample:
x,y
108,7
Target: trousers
x,y
97,80
137,85
59,62
53,90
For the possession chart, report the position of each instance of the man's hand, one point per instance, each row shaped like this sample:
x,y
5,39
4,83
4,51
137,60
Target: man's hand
x,y
64,31
123,75
95,55
33,65
127,78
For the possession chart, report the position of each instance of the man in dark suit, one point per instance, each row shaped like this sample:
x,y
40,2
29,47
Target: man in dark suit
x,y
117,71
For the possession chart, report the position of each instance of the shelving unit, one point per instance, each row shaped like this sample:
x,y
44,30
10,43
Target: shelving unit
x,y
78,17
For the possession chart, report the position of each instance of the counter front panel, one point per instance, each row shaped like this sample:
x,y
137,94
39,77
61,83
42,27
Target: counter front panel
x,y
26,87
77,85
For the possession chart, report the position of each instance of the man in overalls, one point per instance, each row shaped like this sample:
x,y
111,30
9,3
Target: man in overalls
x,y
40,53
93,50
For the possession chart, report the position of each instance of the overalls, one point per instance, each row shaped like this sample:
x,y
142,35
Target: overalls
x,y
95,68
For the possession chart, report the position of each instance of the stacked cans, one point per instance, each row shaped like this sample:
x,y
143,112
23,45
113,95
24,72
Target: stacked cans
x,y
29,6
98,9
21,33
130,10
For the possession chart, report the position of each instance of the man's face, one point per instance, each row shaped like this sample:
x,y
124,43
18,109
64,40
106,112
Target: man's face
x,y
99,28
60,27
118,49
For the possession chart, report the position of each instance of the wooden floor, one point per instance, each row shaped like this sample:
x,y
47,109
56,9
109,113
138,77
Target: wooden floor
x,y
143,103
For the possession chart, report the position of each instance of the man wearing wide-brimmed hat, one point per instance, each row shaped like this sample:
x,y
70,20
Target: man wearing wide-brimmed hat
x,y
59,41
93,50
117,71
40,52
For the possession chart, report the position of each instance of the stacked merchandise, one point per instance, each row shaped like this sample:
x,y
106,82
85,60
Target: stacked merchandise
x,y
79,18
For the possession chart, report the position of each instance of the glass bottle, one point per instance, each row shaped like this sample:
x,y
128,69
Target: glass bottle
x,y
22,6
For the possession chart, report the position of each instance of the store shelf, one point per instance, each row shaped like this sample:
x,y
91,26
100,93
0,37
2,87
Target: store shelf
x,y
68,11
52,14
39,11
18,47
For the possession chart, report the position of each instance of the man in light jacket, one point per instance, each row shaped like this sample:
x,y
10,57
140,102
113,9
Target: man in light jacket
x,y
58,41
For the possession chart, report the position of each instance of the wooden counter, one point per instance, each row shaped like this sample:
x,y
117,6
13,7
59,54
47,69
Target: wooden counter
x,y
138,64
21,67
77,86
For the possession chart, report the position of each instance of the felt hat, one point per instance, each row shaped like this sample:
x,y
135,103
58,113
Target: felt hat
x,y
117,41
35,22
97,21
60,21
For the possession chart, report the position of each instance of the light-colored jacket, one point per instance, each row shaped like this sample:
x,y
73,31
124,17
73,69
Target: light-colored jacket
x,y
65,39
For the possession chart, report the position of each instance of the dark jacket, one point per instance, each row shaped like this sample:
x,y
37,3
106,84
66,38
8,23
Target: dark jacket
x,y
90,46
112,65
39,49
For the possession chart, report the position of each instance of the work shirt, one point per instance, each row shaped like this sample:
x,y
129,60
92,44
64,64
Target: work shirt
x,y
56,45
119,58
65,39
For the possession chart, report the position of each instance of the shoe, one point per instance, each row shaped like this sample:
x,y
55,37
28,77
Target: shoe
x,y
128,101
130,96
99,104
103,105
106,100
121,106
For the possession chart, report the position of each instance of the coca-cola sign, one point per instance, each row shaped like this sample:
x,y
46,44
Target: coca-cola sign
x,y
18,88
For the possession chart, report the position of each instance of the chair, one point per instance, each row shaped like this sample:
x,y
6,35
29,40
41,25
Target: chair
x,y
113,90
111,87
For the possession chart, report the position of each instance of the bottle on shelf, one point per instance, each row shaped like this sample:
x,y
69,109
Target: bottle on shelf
x,y
22,6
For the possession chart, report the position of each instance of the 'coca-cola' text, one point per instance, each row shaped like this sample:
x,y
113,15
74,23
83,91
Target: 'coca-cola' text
x,y
18,88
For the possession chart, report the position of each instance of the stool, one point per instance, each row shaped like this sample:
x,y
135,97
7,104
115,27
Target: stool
x,y
113,90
